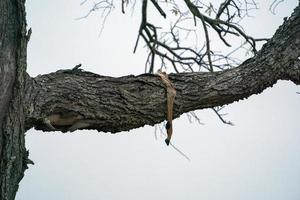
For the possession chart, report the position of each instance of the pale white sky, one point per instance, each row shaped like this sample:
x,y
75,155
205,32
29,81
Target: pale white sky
x,y
258,158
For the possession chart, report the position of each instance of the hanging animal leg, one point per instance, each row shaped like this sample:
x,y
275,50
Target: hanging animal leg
x,y
171,93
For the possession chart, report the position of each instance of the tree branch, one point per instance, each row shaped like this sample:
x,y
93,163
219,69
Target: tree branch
x,y
220,26
160,10
74,99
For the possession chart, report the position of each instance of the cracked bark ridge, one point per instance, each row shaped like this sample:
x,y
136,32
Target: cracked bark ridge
x,y
75,99
13,43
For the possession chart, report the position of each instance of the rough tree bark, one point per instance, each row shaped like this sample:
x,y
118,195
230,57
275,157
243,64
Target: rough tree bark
x,y
68,100
13,42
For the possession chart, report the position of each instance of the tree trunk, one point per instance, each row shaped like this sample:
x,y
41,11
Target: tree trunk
x,y
13,42
68,100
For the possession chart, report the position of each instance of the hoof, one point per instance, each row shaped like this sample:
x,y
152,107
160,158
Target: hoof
x,y
167,141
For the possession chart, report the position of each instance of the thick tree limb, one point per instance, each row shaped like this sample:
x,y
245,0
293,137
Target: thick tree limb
x,y
74,99
68,100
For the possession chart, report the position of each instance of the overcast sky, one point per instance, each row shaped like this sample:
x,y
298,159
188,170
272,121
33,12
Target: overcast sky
x,y
258,158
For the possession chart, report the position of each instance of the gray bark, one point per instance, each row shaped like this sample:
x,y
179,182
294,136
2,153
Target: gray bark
x,y
74,99
68,100
13,41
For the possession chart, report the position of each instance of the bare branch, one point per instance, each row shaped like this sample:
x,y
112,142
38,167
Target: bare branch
x,y
221,116
274,5
220,26
192,115
106,6
208,52
160,10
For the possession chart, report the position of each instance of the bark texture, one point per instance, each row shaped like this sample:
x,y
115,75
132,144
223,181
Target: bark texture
x,y
13,155
68,100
